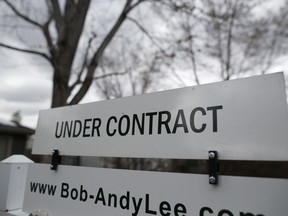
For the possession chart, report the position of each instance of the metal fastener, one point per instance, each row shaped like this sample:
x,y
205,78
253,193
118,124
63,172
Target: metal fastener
x,y
211,155
212,179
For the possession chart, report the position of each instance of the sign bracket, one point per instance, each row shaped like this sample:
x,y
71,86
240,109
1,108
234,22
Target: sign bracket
x,y
56,160
213,167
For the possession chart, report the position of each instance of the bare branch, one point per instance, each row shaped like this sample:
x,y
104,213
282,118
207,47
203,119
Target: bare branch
x,y
99,53
135,4
44,55
149,36
84,64
193,61
142,29
246,53
60,24
274,42
188,29
112,32
48,37
109,75
78,82
229,42
22,16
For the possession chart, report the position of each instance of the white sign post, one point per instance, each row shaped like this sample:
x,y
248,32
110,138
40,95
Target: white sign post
x,y
243,119
93,191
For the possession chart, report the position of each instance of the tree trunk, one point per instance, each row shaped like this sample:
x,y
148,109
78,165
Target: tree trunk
x,y
60,90
69,29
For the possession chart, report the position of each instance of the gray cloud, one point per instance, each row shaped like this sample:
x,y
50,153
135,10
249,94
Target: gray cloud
x,y
32,92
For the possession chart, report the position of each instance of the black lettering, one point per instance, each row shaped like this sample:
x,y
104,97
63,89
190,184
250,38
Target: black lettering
x,y
180,115
100,197
108,126
86,127
110,198
33,187
204,209
125,201
147,209
77,129
42,188
120,125
57,134
140,125
165,208
214,116
83,194
151,115
95,126
64,190
136,205
74,193
225,212
179,208
67,128
164,122
192,120
51,189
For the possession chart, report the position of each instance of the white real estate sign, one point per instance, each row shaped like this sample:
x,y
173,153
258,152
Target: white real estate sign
x,y
94,191
242,119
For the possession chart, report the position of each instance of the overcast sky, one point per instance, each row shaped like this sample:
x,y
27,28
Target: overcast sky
x,y
25,85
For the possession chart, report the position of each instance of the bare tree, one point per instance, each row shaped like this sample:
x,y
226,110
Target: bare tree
x,y
226,33
140,73
229,38
62,26
62,30
241,40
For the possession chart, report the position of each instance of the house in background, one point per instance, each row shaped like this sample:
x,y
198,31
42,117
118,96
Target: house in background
x,y
14,139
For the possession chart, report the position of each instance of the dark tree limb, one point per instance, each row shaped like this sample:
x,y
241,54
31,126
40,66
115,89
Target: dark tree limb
x,y
84,64
22,16
44,55
47,35
59,21
147,34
